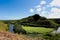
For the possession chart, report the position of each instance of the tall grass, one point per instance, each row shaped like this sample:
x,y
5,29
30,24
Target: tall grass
x,y
3,26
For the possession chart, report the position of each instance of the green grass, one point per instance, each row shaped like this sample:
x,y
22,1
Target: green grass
x,y
37,29
3,26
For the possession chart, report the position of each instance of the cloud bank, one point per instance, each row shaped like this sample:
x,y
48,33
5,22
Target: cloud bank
x,y
55,3
49,11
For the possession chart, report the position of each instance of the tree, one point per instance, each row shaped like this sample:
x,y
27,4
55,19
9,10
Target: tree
x,y
18,29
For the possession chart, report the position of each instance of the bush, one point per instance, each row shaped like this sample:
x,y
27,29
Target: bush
x,y
52,36
18,29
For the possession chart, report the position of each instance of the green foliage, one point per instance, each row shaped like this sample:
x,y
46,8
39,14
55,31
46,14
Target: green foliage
x,y
34,20
37,20
56,20
19,29
53,24
52,36
3,26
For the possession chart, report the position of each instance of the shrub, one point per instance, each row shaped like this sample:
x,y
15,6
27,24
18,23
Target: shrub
x,y
52,36
18,29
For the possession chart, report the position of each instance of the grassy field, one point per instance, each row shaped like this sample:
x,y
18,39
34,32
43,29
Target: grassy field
x,y
3,26
37,29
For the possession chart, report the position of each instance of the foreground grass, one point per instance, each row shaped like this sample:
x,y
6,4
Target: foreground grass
x,y
41,30
11,36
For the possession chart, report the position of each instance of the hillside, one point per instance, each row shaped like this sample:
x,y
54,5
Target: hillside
x,y
37,21
56,20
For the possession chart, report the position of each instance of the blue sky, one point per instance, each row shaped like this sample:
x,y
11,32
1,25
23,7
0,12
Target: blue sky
x,y
17,9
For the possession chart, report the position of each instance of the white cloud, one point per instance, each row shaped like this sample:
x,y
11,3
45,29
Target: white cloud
x,y
38,6
55,13
42,10
55,10
38,10
43,13
43,2
55,3
31,10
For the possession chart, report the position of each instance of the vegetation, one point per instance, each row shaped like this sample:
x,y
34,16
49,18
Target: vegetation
x,y
10,36
56,20
3,26
19,29
51,36
37,21
34,24
37,30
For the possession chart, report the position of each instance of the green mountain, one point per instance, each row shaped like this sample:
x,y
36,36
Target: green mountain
x,y
37,21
